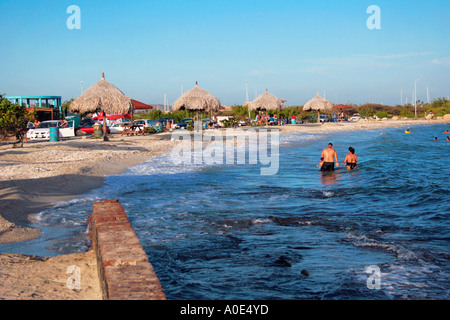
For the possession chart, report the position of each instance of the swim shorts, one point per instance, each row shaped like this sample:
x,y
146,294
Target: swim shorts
x,y
328,166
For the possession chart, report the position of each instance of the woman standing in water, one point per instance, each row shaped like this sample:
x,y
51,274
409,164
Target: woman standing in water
x,y
351,159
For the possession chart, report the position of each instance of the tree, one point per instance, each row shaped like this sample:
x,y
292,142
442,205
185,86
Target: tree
x,y
13,119
66,104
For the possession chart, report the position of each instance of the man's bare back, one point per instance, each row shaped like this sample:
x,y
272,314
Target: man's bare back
x,y
329,156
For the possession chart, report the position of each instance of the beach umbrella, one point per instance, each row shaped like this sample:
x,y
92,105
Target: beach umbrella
x,y
105,97
267,101
113,117
319,104
197,99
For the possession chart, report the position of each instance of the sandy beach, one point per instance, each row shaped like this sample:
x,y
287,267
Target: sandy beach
x,y
36,176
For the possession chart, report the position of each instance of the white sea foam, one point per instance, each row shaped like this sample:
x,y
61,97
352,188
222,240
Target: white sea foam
x,y
261,221
363,241
328,194
409,281
161,165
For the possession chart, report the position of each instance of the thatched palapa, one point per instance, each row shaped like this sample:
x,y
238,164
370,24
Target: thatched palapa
x,y
102,96
105,97
319,104
197,99
267,101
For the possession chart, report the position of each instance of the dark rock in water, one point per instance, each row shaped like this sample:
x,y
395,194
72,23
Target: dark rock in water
x,y
292,221
286,221
282,262
305,272
300,248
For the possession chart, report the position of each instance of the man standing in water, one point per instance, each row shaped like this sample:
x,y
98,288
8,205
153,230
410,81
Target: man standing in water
x,y
329,155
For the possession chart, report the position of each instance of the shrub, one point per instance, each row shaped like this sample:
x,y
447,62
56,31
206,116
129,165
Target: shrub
x,y
13,119
406,112
382,114
366,112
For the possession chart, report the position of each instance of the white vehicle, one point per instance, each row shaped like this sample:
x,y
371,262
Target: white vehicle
x,y
220,119
42,131
356,117
118,127
146,123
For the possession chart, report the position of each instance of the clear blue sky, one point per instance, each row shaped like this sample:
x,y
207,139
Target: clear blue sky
x,y
293,48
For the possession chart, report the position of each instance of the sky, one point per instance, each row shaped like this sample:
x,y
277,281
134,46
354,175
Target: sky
x,y
293,48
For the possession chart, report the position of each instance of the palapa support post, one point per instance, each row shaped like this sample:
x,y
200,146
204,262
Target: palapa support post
x,y
105,138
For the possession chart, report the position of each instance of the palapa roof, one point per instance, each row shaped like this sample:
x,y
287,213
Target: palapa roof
x,y
104,96
197,99
267,101
318,103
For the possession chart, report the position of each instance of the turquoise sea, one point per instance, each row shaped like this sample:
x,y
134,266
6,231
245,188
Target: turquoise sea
x,y
225,232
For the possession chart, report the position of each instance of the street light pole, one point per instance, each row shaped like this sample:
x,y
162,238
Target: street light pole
x,y
415,96
246,98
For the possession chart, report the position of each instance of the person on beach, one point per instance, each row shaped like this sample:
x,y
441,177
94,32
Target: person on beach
x,y
329,156
351,159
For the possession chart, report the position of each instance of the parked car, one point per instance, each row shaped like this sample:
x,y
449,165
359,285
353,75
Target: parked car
x,y
184,123
42,131
324,118
164,121
87,122
146,123
118,127
356,117
89,129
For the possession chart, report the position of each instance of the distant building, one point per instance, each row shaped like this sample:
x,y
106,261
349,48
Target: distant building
x,y
226,108
46,107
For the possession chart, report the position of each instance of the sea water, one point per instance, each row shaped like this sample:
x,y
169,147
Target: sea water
x,y
227,232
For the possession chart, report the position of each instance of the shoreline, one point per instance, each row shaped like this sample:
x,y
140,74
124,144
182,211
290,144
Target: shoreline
x,y
40,174
35,177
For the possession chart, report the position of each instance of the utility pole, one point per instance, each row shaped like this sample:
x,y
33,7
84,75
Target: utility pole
x,y
246,91
165,102
246,98
415,95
